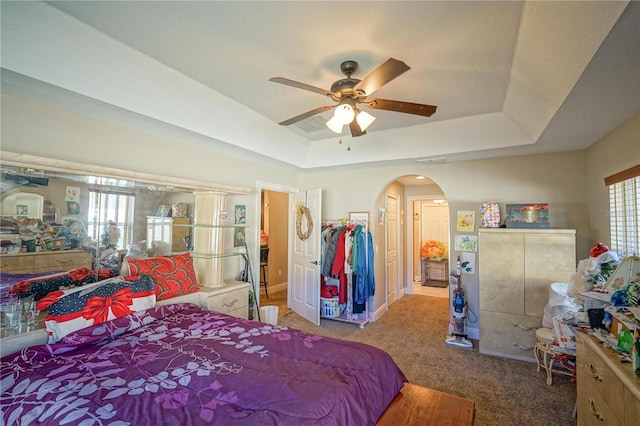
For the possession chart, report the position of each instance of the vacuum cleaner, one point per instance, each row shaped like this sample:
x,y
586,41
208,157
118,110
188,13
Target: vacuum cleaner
x,y
459,313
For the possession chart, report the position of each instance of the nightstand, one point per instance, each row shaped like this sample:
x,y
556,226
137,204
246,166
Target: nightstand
x,y
232,298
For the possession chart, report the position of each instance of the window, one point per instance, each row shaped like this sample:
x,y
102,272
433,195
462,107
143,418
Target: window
x,y
624,211
111,206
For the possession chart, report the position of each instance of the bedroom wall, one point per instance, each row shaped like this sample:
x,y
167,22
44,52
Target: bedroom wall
x,y
617,151
557,179
560,179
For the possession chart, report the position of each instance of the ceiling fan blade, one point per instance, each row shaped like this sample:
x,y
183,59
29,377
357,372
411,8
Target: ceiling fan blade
x,y
299,85
354,127
307,114
386,72
400,106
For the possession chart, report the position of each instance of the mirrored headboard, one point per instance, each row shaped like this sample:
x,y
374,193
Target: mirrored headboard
x,y
56,192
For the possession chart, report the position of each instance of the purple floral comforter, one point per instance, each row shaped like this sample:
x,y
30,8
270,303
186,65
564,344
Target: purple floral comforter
x,y
182,365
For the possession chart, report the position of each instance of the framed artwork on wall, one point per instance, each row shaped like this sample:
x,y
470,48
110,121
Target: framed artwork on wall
x,y
359,217
527,215
466,221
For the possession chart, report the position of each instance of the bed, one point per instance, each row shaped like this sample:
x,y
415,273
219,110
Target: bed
x,y
181,364
135,350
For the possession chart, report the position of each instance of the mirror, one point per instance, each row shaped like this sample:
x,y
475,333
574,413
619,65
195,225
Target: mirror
x,y
29,203
81,207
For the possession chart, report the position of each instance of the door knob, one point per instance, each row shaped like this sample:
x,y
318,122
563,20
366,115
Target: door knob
x,y
315,262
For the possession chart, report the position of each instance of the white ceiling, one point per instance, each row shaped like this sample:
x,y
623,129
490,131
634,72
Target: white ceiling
x,y
508,77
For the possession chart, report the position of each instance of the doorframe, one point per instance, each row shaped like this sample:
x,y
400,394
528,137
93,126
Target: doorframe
x,y
399,255
276,187
409,236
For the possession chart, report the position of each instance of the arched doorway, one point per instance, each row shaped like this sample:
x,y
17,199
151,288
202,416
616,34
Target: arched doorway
x,y
422,214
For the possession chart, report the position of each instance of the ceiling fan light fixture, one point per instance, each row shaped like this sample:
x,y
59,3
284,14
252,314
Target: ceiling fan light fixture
x,y
335,125
344,113
364,119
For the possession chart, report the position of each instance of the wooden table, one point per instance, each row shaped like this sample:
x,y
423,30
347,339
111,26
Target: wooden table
x,y
416,405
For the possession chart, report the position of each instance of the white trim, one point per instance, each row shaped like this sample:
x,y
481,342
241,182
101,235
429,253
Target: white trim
x,y
408,286
270,186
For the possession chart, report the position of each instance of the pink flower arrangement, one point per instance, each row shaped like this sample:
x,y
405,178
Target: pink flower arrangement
x,y
434,249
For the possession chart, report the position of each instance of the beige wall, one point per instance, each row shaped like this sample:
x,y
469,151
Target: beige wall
x,y
571,182
617,151
557,179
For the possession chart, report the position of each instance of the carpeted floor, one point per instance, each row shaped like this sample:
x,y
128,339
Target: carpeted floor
x,y
506,392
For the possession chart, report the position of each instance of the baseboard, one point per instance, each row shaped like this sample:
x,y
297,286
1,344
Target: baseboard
x,y
277,287
378,313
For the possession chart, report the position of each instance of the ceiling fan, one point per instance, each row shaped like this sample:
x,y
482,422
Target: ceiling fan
x,y
351,92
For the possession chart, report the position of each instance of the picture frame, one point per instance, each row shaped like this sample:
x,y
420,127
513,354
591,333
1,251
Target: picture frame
x,y
22,210
531,215
73,208
466,221
359,217
163,210
240,214
239,237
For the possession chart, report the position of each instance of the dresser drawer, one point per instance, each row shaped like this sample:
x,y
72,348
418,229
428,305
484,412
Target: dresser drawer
x,y
62,261
17,264
510,323
241,312
631,408
593,369
518,344
592,409
229,301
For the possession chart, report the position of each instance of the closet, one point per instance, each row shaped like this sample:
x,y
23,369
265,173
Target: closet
x,y
347,276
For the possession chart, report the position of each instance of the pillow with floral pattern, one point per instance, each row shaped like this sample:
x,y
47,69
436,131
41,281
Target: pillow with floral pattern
x,y
174,275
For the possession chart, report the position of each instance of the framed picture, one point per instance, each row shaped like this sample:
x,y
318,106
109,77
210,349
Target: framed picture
x,y
22,210
73,207
240,211
466,221
163,210
239,237
466,243
179,209
527,215
359,217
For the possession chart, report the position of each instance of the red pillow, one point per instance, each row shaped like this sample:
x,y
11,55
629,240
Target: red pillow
x,y
174,275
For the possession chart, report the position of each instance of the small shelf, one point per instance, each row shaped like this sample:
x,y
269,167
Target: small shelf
x,y
197,255
194,225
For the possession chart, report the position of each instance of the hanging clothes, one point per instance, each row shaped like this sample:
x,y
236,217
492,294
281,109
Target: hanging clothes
x,y
330,252
338,267
362,262
347,255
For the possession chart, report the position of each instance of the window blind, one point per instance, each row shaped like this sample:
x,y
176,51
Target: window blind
x,y
115,206
624,201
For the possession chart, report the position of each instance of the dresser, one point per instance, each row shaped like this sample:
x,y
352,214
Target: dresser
x,y
516,268
608,390
232,298
28,263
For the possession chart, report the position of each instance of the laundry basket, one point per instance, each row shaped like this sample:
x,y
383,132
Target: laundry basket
x,y
329,307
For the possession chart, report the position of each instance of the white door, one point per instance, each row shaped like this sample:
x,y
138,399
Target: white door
x,y
435,223
392,248
304,272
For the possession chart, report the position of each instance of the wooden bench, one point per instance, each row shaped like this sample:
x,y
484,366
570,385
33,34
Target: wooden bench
x,y
416,405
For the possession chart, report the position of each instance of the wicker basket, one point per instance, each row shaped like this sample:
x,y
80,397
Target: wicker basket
x,y
329,307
